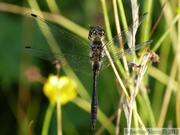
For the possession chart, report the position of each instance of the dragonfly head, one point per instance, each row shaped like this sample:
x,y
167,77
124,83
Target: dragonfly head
x,y
96,33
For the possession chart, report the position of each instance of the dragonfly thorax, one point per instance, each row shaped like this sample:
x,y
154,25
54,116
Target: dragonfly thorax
x,y
97,52
96,35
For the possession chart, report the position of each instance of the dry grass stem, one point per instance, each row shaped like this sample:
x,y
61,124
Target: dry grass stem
x,y
149,56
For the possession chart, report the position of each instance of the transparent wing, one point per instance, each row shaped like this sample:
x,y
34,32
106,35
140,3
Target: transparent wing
x,y
114,45
118,54
71,50
76,62
122,38
55,38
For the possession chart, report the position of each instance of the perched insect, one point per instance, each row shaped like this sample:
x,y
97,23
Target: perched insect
x,y
72,51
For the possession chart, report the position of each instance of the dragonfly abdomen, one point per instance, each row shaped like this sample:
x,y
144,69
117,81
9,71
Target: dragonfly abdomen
x,y
94,103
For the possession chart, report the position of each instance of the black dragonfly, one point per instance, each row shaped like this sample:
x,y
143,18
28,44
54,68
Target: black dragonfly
x,y
89,58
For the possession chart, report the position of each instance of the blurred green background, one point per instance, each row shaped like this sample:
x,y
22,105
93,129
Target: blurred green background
x,y
22,101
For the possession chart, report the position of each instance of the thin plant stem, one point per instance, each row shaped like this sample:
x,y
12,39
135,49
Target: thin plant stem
x,y
178,92
106,20
30,128
122,14
111,118
158,20
152,120
59,19
146,26
47,119
59,119
53,6
110,36
152,71
140,121
163,37
119,115
168,92
142,69
178,107
135,16
118,29
124,23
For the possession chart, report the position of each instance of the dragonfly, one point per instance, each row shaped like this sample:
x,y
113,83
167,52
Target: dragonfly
x,y
80,55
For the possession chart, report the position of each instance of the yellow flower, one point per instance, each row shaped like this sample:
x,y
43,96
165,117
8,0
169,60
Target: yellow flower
x,y
66,85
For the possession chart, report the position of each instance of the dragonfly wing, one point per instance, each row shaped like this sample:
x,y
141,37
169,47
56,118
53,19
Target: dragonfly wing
x,y
118,54
76,62
122,38
57,39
